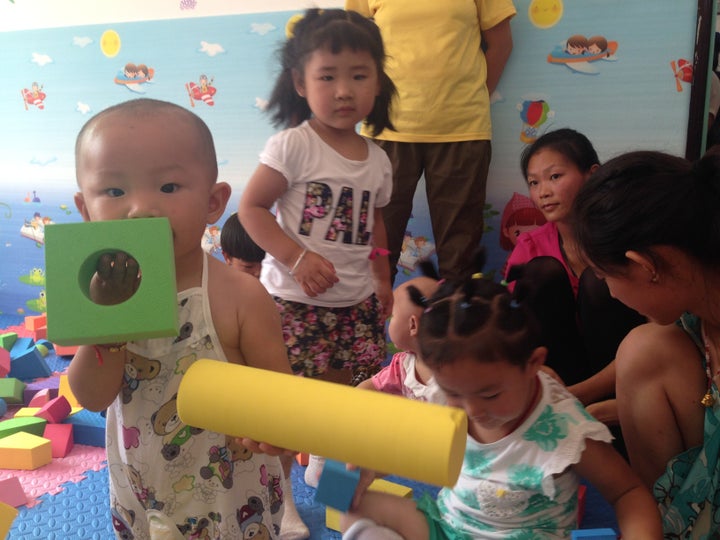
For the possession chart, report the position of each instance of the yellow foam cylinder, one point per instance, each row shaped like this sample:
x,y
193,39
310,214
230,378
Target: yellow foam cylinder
x,y
386,433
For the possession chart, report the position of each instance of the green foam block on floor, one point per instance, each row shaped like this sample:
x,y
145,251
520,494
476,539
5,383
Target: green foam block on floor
x,y
72,251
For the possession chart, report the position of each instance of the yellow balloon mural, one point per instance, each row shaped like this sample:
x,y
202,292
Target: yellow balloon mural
x,y
110,43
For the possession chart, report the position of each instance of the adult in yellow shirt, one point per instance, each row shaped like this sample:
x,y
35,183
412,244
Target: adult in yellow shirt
x,y
446,58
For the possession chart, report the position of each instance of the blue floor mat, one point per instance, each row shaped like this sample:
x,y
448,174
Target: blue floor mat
x,y
82,511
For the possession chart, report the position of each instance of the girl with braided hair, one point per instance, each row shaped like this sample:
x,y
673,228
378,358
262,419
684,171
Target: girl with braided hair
x,y
529,440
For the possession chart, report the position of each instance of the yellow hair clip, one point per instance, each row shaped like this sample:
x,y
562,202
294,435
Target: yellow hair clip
x,y
477,275
290,26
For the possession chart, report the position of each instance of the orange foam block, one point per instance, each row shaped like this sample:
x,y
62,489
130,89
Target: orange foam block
x,y
40,333
11,492
24,451
302,458
65,350
65,390
7,516
33,322
61,438
55,410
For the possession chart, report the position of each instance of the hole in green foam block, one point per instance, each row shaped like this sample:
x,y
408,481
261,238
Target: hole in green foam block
x,y
119,269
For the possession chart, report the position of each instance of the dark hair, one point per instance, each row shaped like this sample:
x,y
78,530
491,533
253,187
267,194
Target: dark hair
x,y
475,318
644,199
236,242
570,143
144,107
334,29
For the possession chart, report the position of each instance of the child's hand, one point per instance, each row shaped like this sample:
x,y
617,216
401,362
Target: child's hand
x,y
366,478
116,278
315,274
264,448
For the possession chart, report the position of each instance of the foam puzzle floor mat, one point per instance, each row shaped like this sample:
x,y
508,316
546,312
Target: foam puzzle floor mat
x,y
68,498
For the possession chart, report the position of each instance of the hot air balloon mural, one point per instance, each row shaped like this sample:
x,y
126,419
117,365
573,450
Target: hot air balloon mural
x,y
533,113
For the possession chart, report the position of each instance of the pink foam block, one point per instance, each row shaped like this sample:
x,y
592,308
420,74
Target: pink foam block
x,y
4,362
55,410
61,439
12,493
40,399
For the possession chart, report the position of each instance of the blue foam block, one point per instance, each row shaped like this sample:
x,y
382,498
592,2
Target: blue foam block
x,y
21,346
594,534
88,428
337,485
29,365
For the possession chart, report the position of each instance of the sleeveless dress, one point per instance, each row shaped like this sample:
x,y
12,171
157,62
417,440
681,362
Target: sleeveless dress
x,y
689,492
170,480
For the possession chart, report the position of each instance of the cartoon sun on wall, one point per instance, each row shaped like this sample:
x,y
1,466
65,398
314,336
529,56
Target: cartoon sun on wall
x,y
545,13
110,43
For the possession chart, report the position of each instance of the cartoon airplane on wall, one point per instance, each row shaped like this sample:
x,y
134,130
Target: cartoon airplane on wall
x,y
578,52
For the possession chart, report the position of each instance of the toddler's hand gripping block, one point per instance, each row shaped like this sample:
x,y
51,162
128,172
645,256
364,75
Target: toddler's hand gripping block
x,y
382,432
72,251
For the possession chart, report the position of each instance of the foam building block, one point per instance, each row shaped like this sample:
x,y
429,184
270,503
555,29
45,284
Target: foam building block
x,y
72,251
11,390
582,495
88,428
594,534
45,343
337,485
40,333
7,516
7,340
61,439
27,424
65,350
413,439
55,410
65,390
12,493
4,362
33,388
25,412
31,364
302,458
21,346
24,451
40,398
33,322
332,516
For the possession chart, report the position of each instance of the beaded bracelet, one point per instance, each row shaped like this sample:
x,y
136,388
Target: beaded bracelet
x,y
111,347
297,262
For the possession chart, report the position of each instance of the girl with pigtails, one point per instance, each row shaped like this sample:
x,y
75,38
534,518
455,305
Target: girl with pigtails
x,y
529,440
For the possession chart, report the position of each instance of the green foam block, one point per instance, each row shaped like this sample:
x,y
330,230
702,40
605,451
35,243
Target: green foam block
x,y
72,251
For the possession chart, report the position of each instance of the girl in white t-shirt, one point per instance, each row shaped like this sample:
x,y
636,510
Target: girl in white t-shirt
x,y
326,263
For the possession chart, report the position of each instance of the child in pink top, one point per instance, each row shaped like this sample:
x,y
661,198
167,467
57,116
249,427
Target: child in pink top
x,y
407,375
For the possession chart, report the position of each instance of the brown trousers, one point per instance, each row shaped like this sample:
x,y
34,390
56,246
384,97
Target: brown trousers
x,y
455,180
